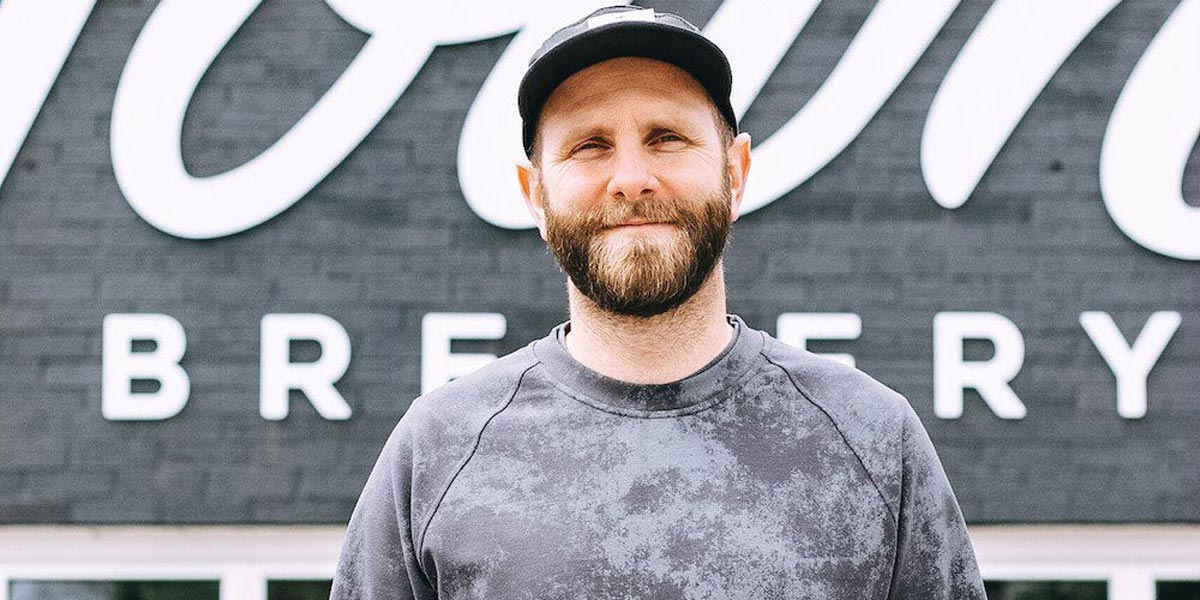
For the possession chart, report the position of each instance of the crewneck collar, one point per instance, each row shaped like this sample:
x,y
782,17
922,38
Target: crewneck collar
x,y
694,392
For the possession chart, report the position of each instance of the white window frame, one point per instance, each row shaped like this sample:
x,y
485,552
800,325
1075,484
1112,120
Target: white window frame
x,y
241,558
1131,558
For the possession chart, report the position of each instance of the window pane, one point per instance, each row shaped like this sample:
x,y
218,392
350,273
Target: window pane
x,y
29,589
299,590
1178,590
1046,590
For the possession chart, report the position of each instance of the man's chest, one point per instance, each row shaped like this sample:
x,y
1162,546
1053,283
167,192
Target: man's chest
x,y
632,509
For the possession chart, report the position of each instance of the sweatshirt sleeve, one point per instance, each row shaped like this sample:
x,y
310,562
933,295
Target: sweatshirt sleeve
x,y
378,561
934,556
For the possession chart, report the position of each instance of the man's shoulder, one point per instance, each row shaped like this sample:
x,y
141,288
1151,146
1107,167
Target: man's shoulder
x,y
441,425
833,385
869,416
481,391
440,429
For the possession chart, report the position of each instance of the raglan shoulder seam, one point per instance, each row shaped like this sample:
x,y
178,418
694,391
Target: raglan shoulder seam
x,y
837,427
467,458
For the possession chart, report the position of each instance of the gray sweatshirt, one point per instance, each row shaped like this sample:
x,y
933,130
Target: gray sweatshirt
x,y
770,473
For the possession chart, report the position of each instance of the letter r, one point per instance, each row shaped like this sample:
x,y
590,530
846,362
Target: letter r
x,y
952,374
278,375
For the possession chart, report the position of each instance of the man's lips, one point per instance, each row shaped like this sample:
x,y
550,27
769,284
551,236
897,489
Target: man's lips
x,y
639,225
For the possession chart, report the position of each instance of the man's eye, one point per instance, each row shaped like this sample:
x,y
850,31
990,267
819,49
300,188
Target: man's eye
x,y
668,137
588,147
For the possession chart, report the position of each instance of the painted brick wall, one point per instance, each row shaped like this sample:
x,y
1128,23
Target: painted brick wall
x,y
387,238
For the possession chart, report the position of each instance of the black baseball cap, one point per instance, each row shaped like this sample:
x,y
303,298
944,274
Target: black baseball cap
x,y
617,31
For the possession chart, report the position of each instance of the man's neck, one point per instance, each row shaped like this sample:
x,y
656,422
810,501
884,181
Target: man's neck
x,y
659,349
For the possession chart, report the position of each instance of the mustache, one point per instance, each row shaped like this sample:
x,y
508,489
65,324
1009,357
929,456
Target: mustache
x,y
621,213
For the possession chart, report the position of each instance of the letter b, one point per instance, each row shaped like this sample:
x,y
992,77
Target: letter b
x,y
121,365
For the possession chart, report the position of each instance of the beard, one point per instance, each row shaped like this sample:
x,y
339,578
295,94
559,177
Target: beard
x,y
643,274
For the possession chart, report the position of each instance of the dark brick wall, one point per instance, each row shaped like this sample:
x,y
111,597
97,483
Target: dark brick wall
x,y
387,237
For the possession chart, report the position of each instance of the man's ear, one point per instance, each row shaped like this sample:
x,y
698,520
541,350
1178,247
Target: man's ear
x,y
739,170
531,187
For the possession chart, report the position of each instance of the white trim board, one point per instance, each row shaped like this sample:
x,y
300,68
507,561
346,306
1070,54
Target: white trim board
x,y
1130,557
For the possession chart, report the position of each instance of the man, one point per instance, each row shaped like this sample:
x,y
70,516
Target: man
x,y
653,446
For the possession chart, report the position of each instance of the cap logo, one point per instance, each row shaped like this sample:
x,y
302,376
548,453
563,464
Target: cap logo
x,y
646,15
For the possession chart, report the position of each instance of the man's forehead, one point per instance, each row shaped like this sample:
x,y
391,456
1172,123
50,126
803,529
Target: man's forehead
x,y
627,72
658,86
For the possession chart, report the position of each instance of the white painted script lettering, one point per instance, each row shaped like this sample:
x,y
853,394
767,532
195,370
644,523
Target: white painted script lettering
x,y
1153,128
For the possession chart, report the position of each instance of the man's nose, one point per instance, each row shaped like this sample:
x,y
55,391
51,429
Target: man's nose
x,y
632,175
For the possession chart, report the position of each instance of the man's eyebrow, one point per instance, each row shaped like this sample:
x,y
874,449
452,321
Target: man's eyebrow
x,y
674,123
587,131
653,127
663,126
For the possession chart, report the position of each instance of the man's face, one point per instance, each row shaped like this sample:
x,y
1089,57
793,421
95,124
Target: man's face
x,y
634,184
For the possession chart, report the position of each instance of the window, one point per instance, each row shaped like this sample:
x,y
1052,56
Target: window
x,y
33,589
1046,590
315,589
1177,590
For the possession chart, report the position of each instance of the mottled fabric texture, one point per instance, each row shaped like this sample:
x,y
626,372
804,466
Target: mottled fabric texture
x,y
770,473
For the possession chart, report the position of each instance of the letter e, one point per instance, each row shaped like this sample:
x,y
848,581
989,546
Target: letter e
x,y
438,364
795,329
